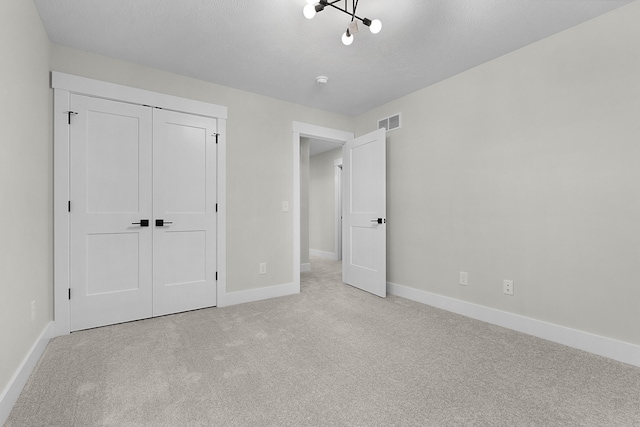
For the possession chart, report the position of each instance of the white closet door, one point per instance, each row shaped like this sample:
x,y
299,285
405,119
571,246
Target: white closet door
x,y
184,205
110,162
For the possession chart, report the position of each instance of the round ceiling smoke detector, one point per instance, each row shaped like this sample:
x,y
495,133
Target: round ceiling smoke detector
x,y
322,80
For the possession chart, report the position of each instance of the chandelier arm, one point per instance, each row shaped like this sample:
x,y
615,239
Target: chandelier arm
x,y
327,3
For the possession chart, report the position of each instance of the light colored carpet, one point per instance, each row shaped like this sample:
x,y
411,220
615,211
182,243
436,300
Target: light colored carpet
x,y
330,356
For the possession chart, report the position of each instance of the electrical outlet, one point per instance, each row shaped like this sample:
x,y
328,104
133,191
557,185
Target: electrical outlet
x,y
508,287
263,268
464,278
33,310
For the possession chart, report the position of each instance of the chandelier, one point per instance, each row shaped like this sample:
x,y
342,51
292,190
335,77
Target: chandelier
x,y
314,6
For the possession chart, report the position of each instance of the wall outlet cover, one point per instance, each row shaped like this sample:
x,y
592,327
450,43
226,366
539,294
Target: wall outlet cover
x,y
507,287
464,278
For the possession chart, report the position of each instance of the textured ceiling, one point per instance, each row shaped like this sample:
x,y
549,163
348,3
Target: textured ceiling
x,y
268,47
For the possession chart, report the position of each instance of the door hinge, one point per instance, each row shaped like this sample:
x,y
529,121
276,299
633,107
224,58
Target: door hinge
x,y
216,207
216,135
69,113
216,276
69,293
69,206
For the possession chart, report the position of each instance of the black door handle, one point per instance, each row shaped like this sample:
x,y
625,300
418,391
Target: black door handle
x,y
162,222
142,223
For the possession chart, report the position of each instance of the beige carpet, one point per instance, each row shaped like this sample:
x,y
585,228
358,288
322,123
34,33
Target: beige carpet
x,y
331,356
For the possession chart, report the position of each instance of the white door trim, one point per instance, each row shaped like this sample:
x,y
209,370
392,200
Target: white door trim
x,y
66,84
115,92
337,245
309,131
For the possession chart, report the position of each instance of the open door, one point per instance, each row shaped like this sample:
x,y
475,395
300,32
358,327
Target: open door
x,y
364,236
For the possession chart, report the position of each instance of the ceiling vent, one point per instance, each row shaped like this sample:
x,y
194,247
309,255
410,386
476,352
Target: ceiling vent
x,y
390,123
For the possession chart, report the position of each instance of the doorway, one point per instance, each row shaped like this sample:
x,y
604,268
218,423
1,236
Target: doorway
x,y
320,200
305,130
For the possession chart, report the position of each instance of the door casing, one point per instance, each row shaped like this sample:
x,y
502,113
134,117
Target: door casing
x,y
309,131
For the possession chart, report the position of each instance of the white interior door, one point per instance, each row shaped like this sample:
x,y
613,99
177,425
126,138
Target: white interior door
x,y
184,171
110,162
364,262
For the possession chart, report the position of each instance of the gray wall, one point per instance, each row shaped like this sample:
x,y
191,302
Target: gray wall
x,y
26,171
526,168
322,201
259,160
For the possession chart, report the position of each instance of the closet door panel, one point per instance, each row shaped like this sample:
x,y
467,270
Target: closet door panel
x,y
184,177
184,172
110,188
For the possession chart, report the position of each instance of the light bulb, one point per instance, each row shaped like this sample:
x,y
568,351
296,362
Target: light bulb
x,y
375,26
347,39
309,11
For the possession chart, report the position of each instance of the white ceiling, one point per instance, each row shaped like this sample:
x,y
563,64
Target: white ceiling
x,y
269,48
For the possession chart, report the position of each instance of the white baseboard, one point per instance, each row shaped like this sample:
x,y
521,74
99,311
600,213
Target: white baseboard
x,y
323,254
251,295
305,267
596,344
12,391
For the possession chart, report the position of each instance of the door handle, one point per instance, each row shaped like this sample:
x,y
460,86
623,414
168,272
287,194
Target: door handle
x,y
378,220
162,222
142,223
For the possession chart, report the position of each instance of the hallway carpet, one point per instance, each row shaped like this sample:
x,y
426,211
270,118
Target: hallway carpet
x,y
330,356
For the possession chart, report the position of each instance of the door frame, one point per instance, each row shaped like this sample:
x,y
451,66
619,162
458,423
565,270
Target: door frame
x,y
63,86
307,130
337,166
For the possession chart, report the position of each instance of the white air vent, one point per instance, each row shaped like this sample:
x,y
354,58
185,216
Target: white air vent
x,y
390,123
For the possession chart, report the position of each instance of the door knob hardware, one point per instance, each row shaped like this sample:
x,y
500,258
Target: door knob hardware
x,y
379,220
142,223
162,222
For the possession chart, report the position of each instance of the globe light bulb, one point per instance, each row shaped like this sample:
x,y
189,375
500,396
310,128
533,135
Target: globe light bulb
x,y
347,39
375,26
309,11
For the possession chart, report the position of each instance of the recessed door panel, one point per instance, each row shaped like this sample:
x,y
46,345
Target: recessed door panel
x,y
185,259
184,177
112,145
112,263
363,247
363,190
